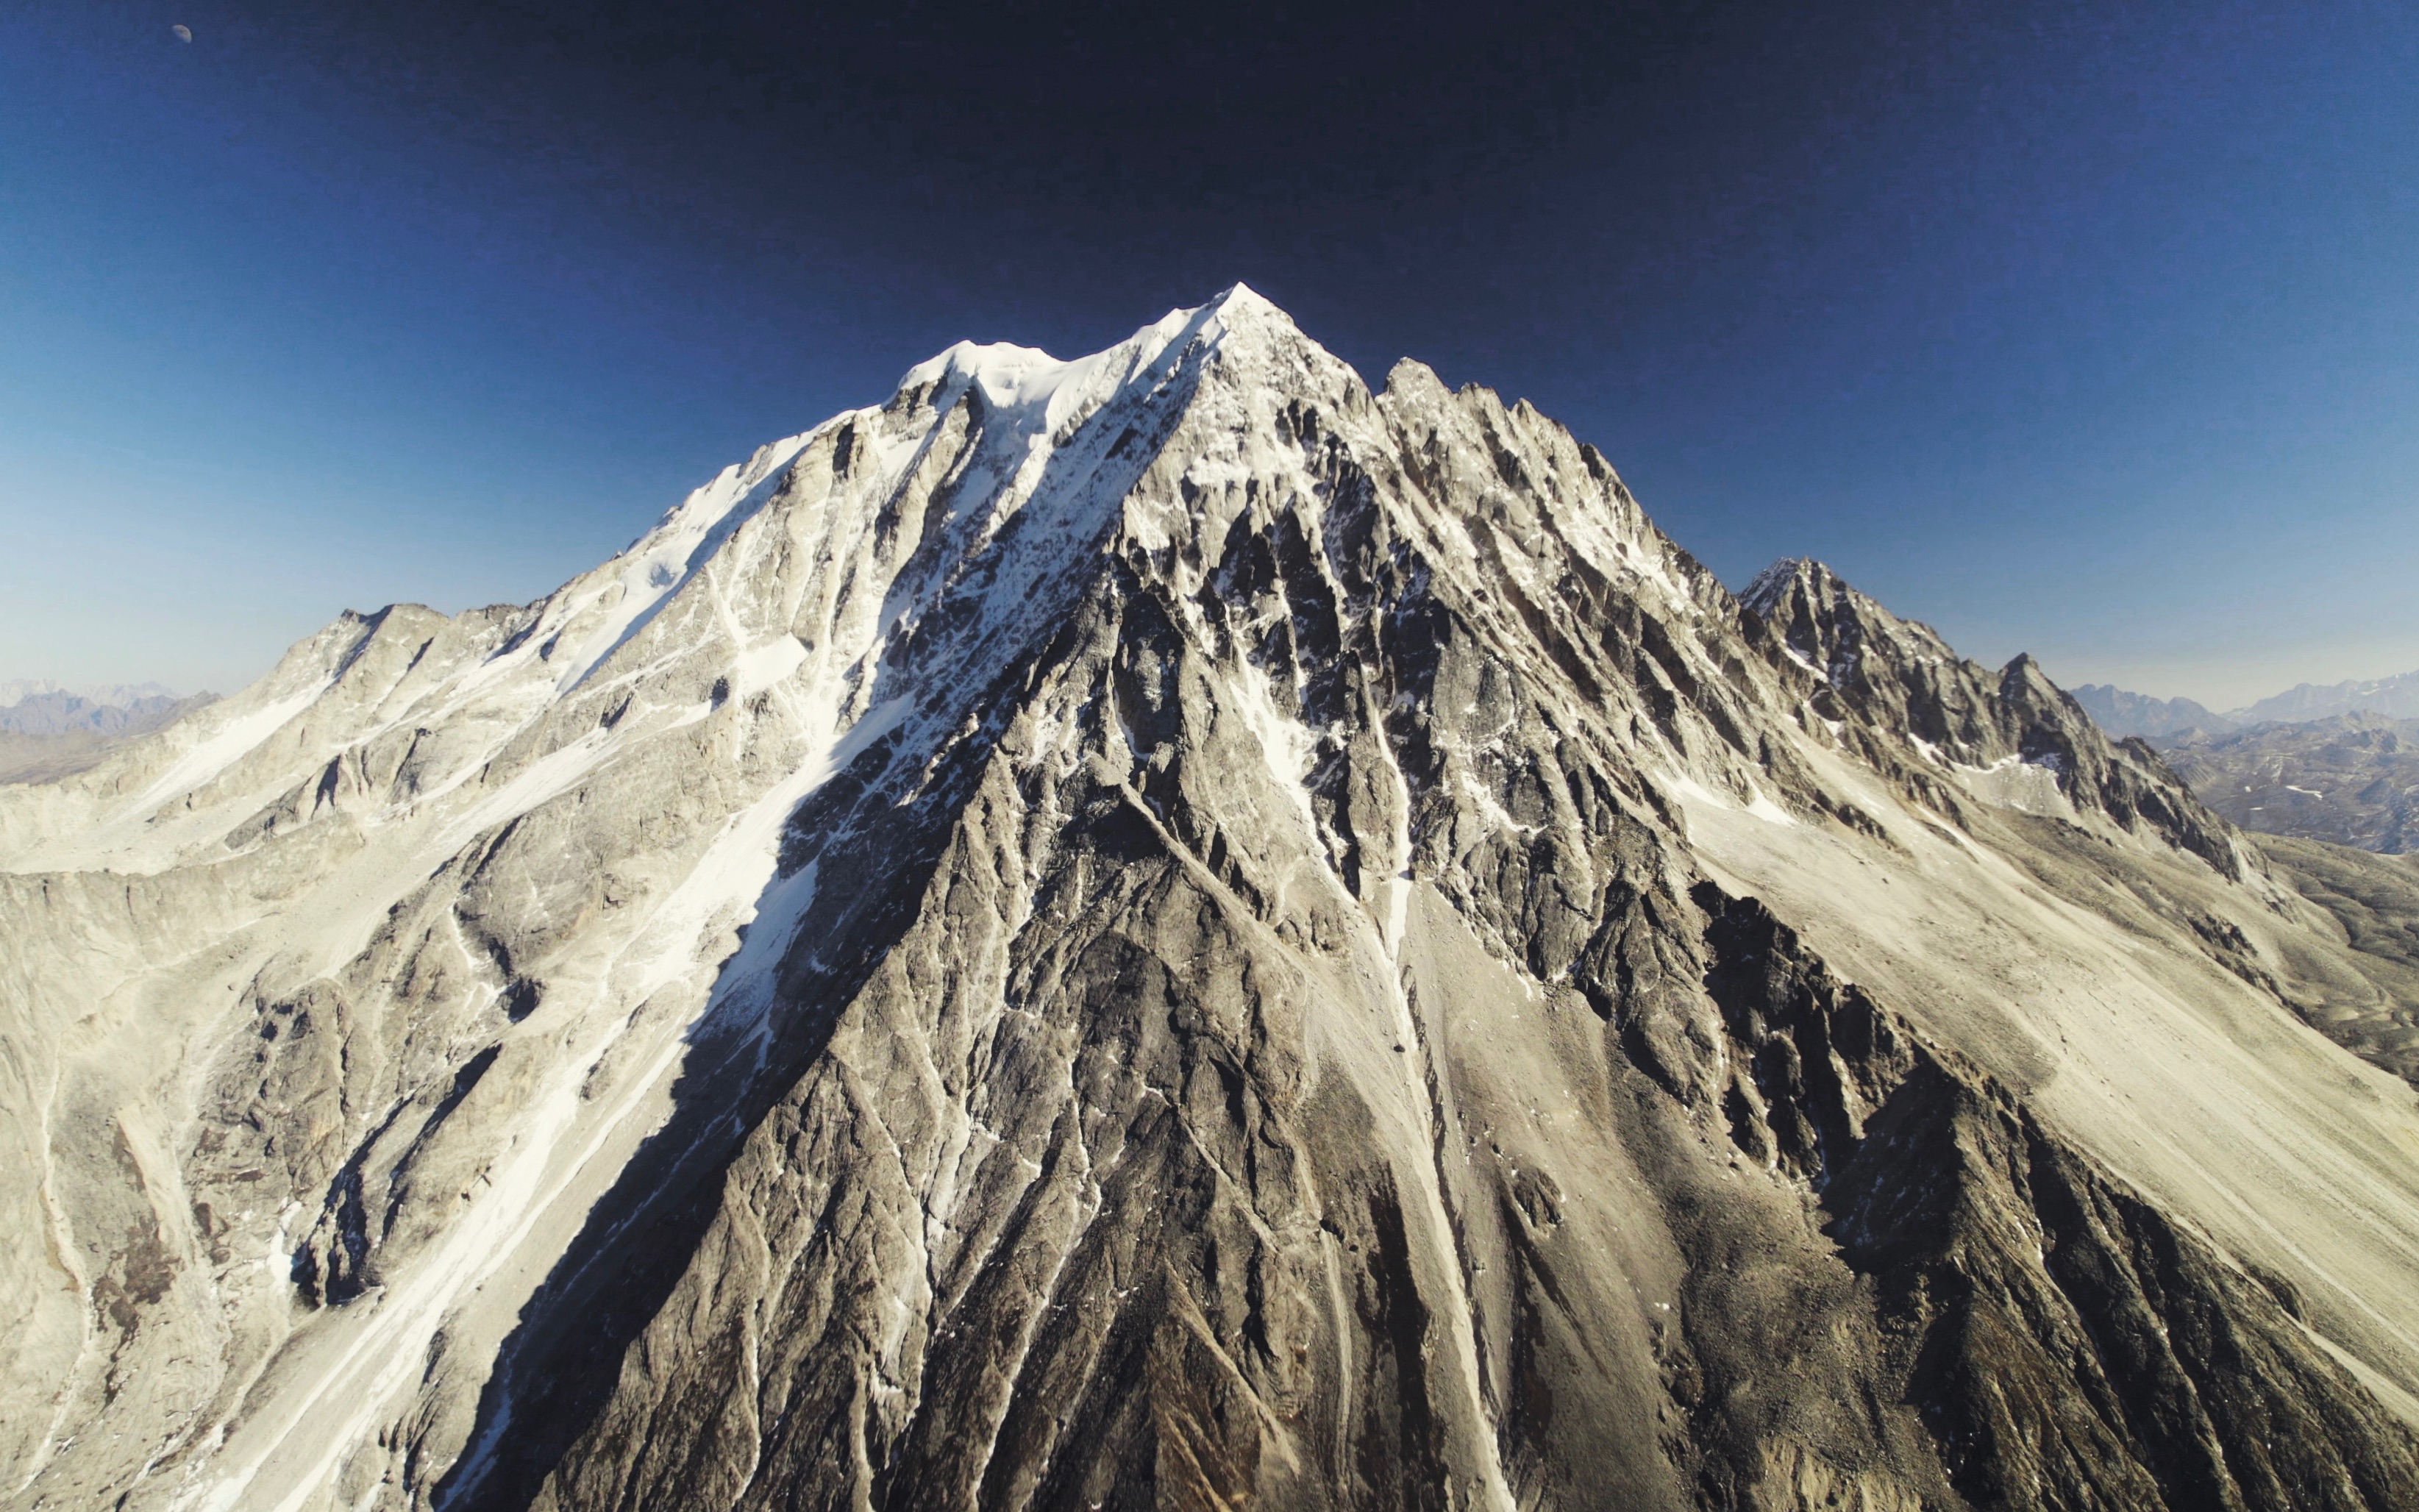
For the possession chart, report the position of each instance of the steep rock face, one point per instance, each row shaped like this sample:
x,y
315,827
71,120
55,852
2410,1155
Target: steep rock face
x,y
2014,738
2069,1345
1171,931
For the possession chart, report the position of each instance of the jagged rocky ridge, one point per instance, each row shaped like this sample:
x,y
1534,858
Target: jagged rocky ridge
x,y
2015,737
1169,931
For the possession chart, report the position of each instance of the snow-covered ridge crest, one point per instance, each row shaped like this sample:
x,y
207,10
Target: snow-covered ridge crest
x,y
655,566
522,662
1028,382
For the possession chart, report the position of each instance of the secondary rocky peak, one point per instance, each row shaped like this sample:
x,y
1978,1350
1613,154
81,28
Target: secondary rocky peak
x,y
1916,710
1832,628
1791,576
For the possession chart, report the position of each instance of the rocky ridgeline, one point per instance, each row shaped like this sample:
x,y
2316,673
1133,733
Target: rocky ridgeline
x,y
1173,931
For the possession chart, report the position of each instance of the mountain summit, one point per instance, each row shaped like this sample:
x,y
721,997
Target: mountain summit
x,y
1167,930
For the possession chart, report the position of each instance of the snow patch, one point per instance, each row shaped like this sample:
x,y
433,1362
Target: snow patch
x,y
666,557
1756,807
1284,746
1760,807
759,667
230,745
2012,782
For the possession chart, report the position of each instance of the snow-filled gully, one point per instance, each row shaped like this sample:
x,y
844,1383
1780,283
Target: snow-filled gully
x,y
388,1348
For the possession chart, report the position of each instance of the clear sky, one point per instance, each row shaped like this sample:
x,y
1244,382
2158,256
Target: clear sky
x,y
2082,328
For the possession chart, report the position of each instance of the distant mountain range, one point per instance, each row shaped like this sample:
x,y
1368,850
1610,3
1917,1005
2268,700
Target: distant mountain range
x,y
110,695
47,732
2338,762
2351,779
58,713
2394,697
2121,713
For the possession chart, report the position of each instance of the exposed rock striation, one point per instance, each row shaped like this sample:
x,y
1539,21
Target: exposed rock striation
x,y
1171,931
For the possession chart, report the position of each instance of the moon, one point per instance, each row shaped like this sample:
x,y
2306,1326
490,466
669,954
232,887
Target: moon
x,y
184,33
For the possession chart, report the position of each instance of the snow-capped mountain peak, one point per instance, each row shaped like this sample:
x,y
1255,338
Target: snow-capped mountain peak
x,y
1163,928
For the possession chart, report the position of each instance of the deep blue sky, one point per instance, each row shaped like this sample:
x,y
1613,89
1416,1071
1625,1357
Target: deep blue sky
x,y
2087,330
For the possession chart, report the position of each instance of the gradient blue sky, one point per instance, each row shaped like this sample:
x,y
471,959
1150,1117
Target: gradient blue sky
x,y
2090,330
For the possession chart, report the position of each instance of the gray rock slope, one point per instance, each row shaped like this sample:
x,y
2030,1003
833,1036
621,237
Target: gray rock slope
x,y
1169,931
2374,1011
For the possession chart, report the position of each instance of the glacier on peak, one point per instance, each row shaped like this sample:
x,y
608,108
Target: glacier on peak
x,y
1018,379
